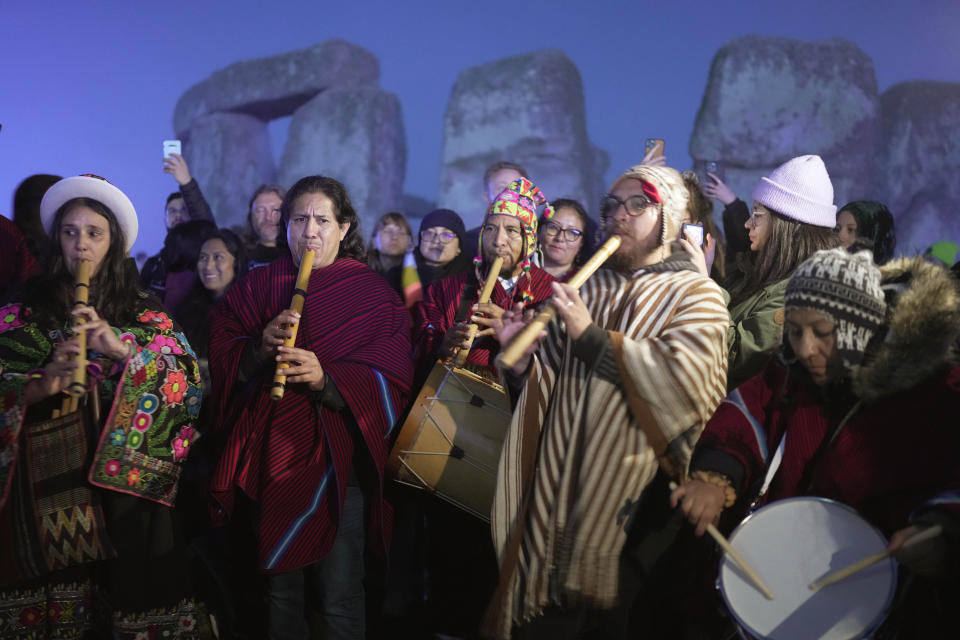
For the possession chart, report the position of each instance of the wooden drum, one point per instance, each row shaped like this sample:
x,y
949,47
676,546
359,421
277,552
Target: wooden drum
x,y
450,442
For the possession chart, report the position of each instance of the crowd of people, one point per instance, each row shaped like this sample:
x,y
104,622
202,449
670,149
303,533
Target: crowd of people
x,y
184,453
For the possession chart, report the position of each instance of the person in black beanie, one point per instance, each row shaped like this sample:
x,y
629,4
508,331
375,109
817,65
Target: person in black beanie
x,y
440,252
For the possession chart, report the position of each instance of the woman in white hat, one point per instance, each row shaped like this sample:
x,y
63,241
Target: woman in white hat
x,y
88,542
793,218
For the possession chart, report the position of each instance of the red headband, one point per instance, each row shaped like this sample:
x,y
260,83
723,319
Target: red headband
x,y
651,192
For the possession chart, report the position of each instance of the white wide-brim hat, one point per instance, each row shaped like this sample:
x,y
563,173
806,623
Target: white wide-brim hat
x,y
95,188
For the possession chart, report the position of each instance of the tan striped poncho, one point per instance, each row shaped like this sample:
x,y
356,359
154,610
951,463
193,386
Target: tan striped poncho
x,y
558,518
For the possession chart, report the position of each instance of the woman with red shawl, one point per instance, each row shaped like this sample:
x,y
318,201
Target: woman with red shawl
x,y
311,463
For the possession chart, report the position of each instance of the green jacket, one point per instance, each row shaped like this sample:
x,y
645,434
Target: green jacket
x,y
756,329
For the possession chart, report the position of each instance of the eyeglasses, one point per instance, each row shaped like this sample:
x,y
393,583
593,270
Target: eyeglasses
x,y
444,237
756,217
635,205
552,230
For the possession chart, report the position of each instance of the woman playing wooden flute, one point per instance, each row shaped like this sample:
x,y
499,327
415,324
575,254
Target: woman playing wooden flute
x,y
312,462
88,542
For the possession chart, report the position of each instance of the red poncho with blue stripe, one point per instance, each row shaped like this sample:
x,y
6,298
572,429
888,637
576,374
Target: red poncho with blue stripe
x,y
293,457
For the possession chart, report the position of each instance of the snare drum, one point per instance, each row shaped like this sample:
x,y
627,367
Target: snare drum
x,y
451,440
791,543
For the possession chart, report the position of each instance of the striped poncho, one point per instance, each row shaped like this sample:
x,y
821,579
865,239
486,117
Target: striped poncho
x,y
580,447
293,457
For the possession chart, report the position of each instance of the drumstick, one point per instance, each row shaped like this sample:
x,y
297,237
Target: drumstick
x,y
299,295
736,557
529,334
492,276
860,565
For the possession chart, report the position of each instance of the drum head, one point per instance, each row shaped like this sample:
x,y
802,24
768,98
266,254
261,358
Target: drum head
x,y
791,543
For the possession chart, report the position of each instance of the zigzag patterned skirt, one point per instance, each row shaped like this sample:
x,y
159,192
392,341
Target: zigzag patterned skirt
x,y
77,561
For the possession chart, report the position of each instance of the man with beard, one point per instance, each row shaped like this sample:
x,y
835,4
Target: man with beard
x,y
509,231
611,403
264,222
461,561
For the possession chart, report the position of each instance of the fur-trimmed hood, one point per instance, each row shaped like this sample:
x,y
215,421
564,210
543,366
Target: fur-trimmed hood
x,y
923,326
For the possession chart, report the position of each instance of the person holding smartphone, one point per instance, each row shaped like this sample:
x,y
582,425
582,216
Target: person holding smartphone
x,y
185,204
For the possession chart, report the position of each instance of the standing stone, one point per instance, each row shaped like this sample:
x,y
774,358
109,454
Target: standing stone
x,y
274,87
230,156
918,161
770,99
355,136
527,109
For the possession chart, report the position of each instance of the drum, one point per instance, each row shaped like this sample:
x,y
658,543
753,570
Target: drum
x,y
791,543
450,442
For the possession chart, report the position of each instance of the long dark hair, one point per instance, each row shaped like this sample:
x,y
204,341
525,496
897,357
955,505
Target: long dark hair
x,y
875,225
352,244
114,290
788,244
200,300
182,244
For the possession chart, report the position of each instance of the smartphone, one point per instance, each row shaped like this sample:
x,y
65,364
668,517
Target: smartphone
x,y
694,231
650,144
714,167
171,146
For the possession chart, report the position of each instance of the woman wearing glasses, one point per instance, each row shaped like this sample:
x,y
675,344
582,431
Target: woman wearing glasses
x,y
440,252
793,218
565,238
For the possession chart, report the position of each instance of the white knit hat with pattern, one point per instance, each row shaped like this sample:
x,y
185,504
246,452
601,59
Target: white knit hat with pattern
x,y
799,189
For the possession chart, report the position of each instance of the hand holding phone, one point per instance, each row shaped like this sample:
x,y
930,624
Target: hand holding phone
x,y
171,146
693,233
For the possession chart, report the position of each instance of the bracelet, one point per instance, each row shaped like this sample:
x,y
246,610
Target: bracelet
x,y
719,480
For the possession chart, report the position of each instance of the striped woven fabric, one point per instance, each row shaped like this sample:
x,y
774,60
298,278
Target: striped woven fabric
x,y
293,456
565,491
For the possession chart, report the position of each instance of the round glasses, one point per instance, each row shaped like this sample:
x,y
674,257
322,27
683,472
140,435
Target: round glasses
x,y
552,230
444,237
635,205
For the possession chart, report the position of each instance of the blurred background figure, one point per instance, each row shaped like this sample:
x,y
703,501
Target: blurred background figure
x,y
870,225
179,258
263,221
700,211
566,238
221,261
17,264
441,251
390,253
186,204
26,211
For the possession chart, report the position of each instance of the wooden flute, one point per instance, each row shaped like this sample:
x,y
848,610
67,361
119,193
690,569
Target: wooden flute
x,y
529,334
78,384
296,304
488,286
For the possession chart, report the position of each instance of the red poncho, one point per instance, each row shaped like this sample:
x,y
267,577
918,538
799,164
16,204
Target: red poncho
x,y
293,457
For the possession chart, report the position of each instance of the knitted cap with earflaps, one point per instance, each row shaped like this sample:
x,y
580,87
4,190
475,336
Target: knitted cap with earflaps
x,y
846,289
519,200
799,189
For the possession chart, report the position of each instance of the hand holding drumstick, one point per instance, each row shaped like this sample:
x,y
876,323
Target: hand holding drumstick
x,y
703,513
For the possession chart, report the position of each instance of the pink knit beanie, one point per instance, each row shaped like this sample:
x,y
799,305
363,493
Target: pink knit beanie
x,y
799,189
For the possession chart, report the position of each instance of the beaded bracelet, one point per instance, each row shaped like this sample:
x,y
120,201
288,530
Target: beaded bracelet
x,y
720,480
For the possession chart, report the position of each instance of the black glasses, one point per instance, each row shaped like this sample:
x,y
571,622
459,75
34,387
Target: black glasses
x,y
552,230
635,205
444,237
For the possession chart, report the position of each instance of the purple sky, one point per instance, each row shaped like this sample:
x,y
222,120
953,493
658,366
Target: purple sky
x,y
92,88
